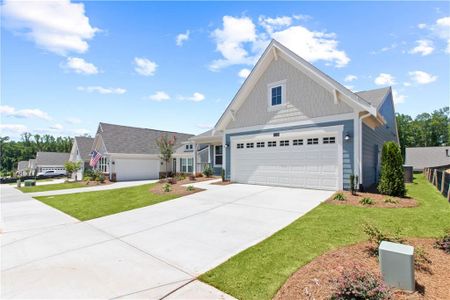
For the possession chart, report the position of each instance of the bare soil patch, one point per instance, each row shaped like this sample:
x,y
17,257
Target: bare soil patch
x,y
315,280
378,200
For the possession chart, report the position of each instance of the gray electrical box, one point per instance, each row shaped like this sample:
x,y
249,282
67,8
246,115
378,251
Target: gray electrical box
x,y
397,265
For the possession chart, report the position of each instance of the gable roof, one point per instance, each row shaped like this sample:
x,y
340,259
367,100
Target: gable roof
x,y
134,140
276,49
22,165
51,158
375,97
424,157
84,145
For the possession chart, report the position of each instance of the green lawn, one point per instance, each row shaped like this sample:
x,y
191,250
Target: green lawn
x,y
52,187
91,205
258,272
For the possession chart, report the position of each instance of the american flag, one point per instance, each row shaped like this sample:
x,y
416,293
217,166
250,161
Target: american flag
x,y
95,156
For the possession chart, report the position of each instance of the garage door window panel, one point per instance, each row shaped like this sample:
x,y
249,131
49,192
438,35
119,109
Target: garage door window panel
x,y
313,141
250,145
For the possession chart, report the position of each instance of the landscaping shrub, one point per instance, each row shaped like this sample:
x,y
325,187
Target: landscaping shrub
x,y
376,236
353,183
100,177
189,188
208,171
355,283
339,197
167,187
421,260
390,200
391,180
366,201
444,243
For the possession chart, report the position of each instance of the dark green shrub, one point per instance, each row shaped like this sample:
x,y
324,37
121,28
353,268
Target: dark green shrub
x,y
376,236
356,283
167,187
444,243
208,171
391,179
339,197
189,188
366,201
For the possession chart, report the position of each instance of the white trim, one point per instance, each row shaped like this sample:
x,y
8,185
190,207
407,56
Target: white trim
x,y
318,120
270,86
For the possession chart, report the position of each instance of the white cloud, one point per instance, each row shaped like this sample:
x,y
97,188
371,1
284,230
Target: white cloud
x,y
424,47
102,90
80,66
350,78
421,25
241,41
159,96
73,120
196,97
398,98
385,79
406,83
230,40
57,127
15,129
81,131
182,37
442,30
28,113
145,66
244,73
422,77
57,26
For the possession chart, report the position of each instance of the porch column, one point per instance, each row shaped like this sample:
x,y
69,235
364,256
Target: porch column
x,y
194,146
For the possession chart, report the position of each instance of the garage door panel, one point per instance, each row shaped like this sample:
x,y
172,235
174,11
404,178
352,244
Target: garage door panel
x,y
137,169
311,166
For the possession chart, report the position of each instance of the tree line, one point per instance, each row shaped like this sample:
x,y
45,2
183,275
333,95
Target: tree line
x,y
425,130
11,152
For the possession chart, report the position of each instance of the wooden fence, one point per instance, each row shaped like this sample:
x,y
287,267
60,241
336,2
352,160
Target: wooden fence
x,y
440,179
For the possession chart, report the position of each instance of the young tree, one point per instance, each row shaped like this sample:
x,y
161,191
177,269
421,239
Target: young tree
x,y
391,180
72,167
165,145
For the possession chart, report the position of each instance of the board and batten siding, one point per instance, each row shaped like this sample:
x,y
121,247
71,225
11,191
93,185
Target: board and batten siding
x,y
305,99
347,154
372,143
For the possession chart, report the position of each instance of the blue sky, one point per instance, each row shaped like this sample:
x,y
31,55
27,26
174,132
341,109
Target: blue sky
x,y
176,65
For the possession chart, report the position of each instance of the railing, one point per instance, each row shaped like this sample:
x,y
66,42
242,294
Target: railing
x,y
440,178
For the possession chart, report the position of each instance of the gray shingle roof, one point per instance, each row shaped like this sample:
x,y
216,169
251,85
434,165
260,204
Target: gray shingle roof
x,y
423,157
84,146
22,165
134,140
374,97
51,158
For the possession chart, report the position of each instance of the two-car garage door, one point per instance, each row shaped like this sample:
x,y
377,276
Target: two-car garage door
x,y
294,160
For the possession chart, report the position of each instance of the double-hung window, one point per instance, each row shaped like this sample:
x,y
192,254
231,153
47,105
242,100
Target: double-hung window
x,y
276,95
218,155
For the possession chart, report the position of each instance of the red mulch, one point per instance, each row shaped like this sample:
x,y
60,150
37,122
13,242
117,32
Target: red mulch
x,y
379,200
315,280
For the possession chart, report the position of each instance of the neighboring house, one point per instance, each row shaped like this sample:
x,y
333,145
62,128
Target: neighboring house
x,y
292,125
131,153
424,157
22,168
81,149
51,161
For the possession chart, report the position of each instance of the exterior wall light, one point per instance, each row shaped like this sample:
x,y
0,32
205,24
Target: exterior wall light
x,y
347,137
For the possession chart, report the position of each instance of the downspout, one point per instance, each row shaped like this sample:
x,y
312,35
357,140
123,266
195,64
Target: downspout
x,y
360,146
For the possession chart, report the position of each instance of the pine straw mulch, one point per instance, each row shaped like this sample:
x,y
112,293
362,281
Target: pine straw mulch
x,y
379,200
178,188
315,280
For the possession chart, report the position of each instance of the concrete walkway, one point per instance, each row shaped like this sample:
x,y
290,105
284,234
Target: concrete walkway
x,y
112,186
152,252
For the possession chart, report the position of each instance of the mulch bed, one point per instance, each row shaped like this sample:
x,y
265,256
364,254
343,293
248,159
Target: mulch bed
x,y
178,188
94,183
226,182
379,200
315,280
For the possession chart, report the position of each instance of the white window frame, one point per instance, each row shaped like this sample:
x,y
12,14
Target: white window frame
x,y
214,156
271,107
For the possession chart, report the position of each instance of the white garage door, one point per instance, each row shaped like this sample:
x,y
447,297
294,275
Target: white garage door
x,y
136,169
308,161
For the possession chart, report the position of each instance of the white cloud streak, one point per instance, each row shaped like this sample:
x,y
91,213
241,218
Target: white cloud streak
x,y
350,78
422,77
196,97
384,79
159,96
244,73
144,66
80,66
181,38
28,113
102,90
424,48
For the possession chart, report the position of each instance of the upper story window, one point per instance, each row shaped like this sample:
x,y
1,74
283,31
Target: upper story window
x,y
276,95
189,147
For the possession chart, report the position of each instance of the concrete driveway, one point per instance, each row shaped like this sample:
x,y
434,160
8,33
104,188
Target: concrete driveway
x,y
151,252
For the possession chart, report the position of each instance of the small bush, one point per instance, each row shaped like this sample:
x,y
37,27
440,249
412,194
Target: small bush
x,y
87,178
189,188
167,187
366,201
339,197
444,243
376,236
353,184
391,180
355,283
390,200
421,260
101,178
208,171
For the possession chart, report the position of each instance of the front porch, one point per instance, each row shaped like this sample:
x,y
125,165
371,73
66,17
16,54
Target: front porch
x,y
208,152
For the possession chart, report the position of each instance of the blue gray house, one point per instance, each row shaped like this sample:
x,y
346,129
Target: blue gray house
x,y
292,125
